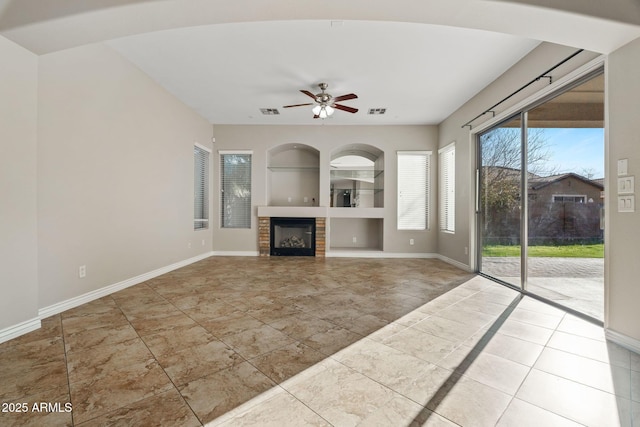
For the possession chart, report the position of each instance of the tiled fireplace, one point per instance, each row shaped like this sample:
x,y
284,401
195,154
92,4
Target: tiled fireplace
x,y
292,236
314,213
289,236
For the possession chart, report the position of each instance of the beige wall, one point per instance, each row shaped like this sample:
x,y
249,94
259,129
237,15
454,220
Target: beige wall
x,y
539,60
113,170
285,182
115,173
617,10
623,251
623,128
365,231
327,139
18,192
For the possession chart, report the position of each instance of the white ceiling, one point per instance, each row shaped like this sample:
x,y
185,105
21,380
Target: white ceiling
x,y
420,59
420,73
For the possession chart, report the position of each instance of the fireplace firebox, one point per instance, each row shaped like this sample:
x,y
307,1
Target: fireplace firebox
x,y
293,236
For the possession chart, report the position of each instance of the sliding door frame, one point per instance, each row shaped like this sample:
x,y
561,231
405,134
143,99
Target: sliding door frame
x,y
521,109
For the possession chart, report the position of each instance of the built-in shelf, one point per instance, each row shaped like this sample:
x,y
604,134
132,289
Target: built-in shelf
x,y
356,213
293,176
320,212
293,168
367,175
355,233
357,192
293,211
357,177
354,252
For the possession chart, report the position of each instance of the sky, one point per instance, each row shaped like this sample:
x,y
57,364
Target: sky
x,y
576,150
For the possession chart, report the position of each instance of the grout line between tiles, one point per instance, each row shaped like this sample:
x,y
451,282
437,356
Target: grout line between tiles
x,y
66,365
159,365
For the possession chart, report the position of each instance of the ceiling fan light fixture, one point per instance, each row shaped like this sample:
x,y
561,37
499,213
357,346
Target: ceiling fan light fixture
x,y
323,111
326,103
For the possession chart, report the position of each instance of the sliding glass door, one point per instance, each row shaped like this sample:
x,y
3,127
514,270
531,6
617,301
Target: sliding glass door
x,y
540,198
565,261
500,176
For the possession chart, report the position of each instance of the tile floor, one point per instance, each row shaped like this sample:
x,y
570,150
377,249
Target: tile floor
x,y
305,341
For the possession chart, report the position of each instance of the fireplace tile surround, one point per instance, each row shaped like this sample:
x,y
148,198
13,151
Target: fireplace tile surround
x,y
264,236
265,213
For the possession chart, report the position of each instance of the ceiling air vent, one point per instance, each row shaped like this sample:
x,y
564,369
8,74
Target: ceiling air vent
x,y
377,111
270,111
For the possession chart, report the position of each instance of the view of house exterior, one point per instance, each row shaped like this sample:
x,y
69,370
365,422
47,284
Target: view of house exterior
x,y
563,209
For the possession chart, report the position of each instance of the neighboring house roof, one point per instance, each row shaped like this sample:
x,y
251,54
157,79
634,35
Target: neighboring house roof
x,y
542,181
507,171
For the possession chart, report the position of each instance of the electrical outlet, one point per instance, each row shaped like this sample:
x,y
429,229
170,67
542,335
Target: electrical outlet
x,y
202,242
189,245
306,199
289,199
354,239
466,250
411,242
82,271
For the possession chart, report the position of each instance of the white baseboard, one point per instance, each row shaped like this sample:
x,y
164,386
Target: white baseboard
x,y
345,253
455,263
623,340
15,331
107,290
235,253
33,324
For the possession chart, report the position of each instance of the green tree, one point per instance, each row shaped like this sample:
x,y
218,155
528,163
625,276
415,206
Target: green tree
x,y
501,153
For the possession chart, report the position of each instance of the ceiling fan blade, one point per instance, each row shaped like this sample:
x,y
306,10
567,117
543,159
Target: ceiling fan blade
x,y
306,92
297,105
345,108
345,97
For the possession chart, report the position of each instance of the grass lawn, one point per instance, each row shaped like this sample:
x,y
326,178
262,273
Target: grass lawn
x,y
568,251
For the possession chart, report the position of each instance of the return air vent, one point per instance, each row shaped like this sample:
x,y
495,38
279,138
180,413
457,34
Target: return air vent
x,y
270,111
377,111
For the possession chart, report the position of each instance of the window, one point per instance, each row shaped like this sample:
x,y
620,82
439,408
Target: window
x,y
200,187
413,190
235,189
447,160
569,199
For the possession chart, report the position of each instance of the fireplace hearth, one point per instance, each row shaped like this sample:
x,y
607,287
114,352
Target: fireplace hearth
x,y
293,236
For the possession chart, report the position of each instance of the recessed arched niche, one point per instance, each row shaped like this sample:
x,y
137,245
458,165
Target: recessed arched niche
x,y
293,177
357,177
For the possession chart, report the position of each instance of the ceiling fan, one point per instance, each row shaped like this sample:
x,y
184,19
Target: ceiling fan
x,y
326,103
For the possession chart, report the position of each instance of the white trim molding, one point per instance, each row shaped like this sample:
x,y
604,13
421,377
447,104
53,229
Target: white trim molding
x,y
345,253
623,340
34,324
22,328
235,253
107,290
455,263
202,147
235,151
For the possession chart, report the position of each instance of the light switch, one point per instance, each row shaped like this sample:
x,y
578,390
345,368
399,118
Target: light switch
x,y
626,185
623,166
627,203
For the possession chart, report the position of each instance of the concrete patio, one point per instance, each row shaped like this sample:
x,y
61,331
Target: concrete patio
x,y
577,283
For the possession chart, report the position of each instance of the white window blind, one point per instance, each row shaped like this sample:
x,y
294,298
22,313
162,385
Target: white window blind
x,y
235,198
200,188
447,160
413,190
